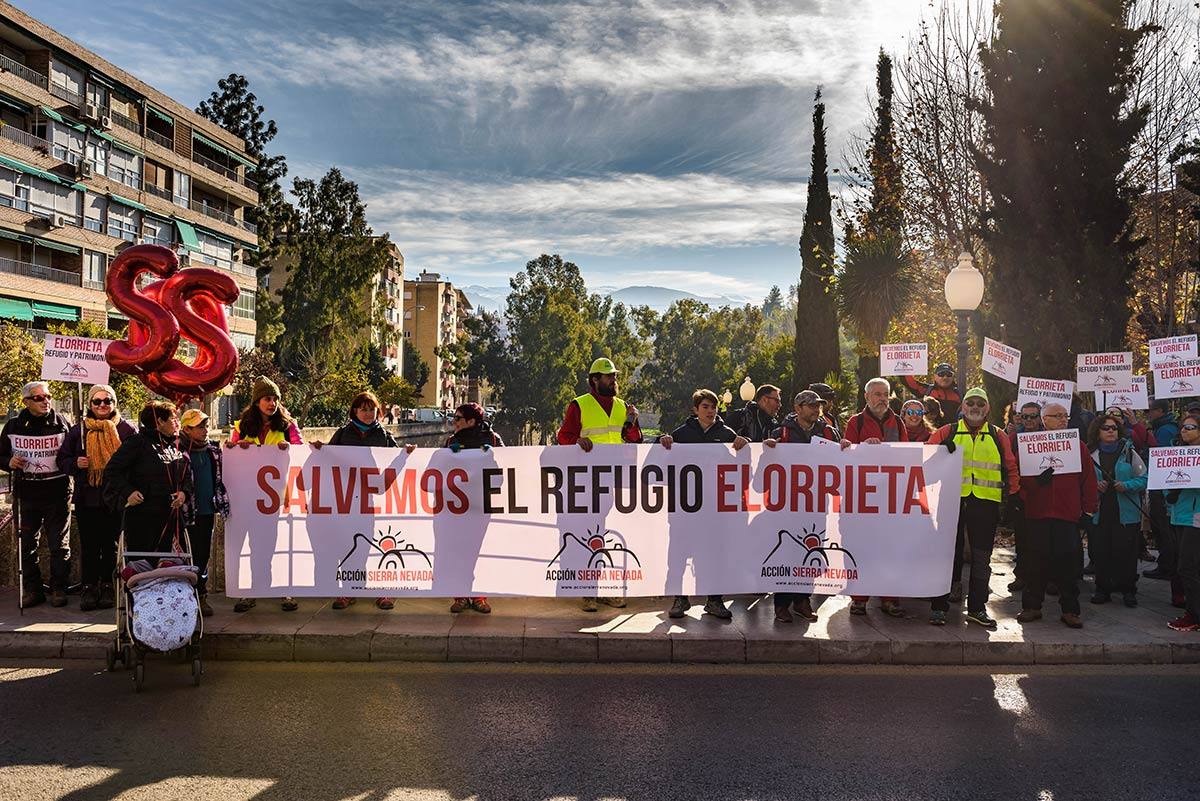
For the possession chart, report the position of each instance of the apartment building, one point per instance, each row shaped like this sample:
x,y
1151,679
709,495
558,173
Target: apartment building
x,y
391,286
434,311
92,160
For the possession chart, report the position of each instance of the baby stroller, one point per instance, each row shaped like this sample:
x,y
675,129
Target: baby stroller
x,y
158,608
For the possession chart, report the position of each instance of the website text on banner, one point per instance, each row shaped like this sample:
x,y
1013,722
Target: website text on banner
x,y
1174,468
904,359
621,520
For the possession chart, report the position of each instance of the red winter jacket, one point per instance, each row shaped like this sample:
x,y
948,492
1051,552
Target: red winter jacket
x,y
863,426
1066,497
950,399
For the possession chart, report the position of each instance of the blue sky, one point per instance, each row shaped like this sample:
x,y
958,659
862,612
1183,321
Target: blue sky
x,y
649,141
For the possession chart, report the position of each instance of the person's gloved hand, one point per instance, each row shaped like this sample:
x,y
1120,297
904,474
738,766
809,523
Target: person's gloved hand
x,y
951,447
1172,496
1046,476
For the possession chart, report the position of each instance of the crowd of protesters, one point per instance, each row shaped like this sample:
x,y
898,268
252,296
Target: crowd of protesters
x,y
165,477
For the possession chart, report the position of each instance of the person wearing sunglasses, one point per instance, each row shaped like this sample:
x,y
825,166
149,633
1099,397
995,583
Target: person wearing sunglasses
x,y
1114,538
1184,505
1027,418
84,454
40,491
916,421
1053,551
944,388
989,472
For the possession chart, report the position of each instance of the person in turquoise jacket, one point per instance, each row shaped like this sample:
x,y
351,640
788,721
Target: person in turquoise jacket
x,y
1184,508
1114,541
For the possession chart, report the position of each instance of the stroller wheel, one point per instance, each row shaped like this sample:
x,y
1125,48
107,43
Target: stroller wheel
x,y
197,669
110,658
127,656
139,677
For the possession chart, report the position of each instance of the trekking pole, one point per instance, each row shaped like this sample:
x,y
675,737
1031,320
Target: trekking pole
x,y
16,516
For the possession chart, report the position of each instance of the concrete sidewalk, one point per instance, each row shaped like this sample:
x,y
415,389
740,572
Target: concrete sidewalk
x,y
556,630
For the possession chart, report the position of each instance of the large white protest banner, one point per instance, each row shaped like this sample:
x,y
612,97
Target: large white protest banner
x,y
1172,349
905,359
1178,380
621,520
1108,372
40,452
1001,361
1137,398
1058,450
79,359
1044,390
1174,468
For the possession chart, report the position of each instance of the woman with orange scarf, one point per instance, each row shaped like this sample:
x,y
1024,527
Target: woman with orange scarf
x,y
84,453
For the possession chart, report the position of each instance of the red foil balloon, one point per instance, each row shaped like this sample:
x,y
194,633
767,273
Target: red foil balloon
x,y
160,326
196,296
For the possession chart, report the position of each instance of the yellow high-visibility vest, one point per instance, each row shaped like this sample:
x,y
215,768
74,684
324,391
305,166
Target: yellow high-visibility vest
x,y
600,428
273,437
981,470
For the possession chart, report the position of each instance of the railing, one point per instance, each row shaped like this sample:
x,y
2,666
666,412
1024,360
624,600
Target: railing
x,y
208,163
160,139
90,284
21,71
127,123
213,211
14,134
249,226
158,191
38,271
69,95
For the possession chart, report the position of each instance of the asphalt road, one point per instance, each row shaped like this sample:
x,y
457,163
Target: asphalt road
x,y
328,732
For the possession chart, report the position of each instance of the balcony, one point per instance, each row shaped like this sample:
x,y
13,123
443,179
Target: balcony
x,y
23,72
90,284
160,139
212,211
127,123
65,94
158,191
14,267
15,134
209,164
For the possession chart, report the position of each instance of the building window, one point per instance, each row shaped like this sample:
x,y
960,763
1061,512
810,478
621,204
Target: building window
x,y
122,222
215,251
125,168
95,267
158,232
243,306
97,95
97,154
67,142
408,295
94,206
14,189
183,189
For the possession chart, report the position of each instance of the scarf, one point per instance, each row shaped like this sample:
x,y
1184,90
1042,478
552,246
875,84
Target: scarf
x,y
101,442
363,427
1111,447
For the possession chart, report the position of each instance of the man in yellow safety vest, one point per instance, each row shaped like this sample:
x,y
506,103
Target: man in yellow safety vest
x,y
600,418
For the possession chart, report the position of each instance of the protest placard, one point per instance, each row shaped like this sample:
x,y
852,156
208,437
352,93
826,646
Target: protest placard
x,y
1058,450
79,359
1107,372
904,359
1001,361
1172,349
1177,380
1138,398
1174,468
1044,390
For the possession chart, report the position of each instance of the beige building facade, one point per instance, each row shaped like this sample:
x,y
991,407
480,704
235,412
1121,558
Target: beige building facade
x,y
434,311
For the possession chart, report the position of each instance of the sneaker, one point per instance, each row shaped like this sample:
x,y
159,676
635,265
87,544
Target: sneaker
x,y
956,593
937,618
289,604
32,598
107,599
892,608
716,607
1156,573
782,615
58,598
804,609
1101,598
460,605
1186,622
341,603
481,605
245,604
1029,615
616,603
590,605
679,607
89,596
205,608
1071,620
1016,585
981,618
1129,599
858,607
384,603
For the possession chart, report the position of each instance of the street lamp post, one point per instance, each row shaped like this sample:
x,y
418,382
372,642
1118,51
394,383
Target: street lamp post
x,y
964,293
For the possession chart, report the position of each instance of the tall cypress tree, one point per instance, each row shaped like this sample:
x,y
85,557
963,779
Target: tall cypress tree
x,y
816,348
1060,130
885,217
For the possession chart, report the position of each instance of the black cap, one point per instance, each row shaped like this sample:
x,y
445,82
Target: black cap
x,y
1192,406
943,368
824,390
1161,404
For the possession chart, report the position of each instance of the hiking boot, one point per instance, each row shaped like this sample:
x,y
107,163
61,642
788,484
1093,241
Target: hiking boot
x,y
1129,599
1016,585
481,605
981,618
715,606
956,593
590,605
205,608
58,598
341,603
782,615
804,609
616,603
1029,615
1101,597
32,598
1186,622
937,618
1071,620
460,605
384,603
106,600
892,608
244,604
857,607
89,596
679,607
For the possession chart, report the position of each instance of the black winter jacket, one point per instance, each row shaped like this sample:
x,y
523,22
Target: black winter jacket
x,y
152,465
475,437
374,437
25,424
790,430
756,425
691,432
